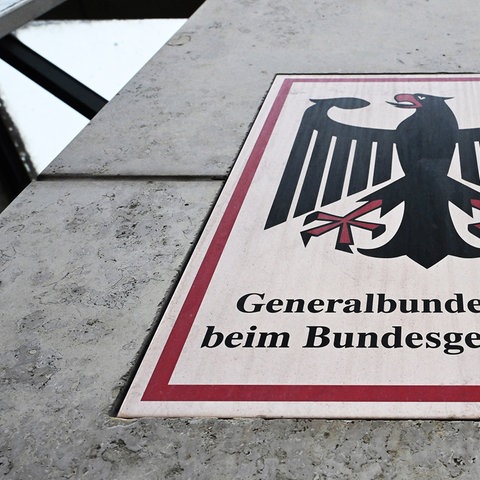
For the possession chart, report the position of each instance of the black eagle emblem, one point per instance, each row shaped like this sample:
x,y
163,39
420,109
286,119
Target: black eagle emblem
x,y
425,143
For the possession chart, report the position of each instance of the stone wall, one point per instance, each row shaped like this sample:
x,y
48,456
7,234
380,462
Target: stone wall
x,y
89,252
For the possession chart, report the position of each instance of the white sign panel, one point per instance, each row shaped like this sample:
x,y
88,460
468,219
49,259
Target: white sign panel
x,y
339,273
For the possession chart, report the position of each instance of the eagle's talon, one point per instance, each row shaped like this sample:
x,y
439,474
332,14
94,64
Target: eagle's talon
x,y
344,247
306,236
474,228
380,230
311,217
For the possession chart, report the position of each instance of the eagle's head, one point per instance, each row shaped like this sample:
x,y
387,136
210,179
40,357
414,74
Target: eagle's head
x,y
416,100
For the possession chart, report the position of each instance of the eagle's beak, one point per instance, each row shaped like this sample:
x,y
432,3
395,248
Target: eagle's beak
x,y
405,100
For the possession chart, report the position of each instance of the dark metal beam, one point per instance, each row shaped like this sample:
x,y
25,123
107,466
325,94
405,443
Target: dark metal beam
x,y
49,76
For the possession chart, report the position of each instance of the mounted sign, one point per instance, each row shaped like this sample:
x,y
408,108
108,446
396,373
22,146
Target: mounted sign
x,y
339,273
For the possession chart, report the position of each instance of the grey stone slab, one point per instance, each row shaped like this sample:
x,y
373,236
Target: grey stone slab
x,y
15,13
83,265
83,268
189,109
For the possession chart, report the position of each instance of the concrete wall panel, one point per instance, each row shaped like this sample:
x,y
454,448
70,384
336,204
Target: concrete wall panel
x,y
188,111
86,262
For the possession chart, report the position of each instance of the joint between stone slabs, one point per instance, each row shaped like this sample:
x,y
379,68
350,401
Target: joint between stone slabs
x,y
141,178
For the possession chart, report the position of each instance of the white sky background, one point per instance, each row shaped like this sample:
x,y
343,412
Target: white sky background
x,y
104,55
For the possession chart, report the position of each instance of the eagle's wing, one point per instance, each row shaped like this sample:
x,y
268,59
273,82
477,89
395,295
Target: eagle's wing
x,y
316,122
467,152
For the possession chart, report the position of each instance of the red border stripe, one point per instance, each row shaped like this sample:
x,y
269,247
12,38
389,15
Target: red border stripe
x,y
178,336
159,389
319,393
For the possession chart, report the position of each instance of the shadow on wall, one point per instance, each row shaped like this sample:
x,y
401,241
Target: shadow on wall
x,y
16,169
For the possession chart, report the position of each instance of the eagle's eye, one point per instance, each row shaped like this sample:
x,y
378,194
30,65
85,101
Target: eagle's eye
x,y
421,98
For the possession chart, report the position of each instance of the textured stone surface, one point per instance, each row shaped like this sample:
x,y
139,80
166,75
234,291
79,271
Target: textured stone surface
x,y
259,449
83,268
84,264
190,108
